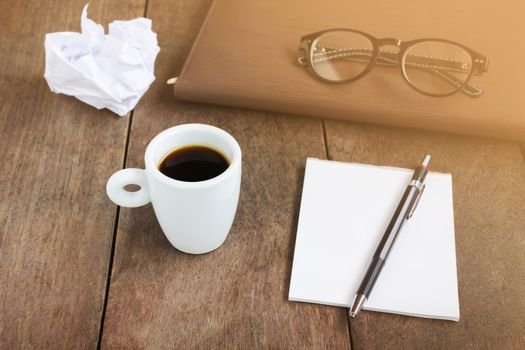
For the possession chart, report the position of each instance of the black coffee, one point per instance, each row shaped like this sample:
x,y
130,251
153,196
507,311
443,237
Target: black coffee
x,y
193,163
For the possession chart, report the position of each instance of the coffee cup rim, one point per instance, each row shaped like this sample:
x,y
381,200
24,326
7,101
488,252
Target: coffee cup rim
x,y
153,168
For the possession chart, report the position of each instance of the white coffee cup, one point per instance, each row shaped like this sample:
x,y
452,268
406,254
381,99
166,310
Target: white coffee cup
x,y
195,216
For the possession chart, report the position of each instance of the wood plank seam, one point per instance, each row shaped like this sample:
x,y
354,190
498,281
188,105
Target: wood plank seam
x,y
146,8
115,225
325,141
113,240
350,332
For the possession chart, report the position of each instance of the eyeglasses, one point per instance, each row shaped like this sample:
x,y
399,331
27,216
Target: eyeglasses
x,y
434,67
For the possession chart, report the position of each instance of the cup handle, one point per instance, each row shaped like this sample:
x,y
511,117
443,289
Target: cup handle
x,y
120,196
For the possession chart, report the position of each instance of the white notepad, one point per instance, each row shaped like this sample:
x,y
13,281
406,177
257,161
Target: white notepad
x,y
345,209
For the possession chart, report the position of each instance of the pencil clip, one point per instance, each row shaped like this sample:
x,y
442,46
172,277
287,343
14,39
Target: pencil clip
x,y
416,202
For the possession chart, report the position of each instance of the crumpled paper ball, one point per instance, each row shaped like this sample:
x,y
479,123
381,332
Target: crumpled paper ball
x,y
111,70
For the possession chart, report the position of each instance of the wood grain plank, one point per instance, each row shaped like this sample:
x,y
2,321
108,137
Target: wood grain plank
x,y
236,296
489,204
56,153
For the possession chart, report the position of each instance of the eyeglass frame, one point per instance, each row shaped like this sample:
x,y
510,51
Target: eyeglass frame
x,y
479,62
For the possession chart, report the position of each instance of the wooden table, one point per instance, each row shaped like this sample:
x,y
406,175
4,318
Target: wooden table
x,y
77,272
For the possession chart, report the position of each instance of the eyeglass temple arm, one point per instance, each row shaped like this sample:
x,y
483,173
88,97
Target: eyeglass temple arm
x,y
427,61
437,66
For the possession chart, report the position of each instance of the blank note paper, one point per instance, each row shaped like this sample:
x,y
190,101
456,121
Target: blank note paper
x,y
345,209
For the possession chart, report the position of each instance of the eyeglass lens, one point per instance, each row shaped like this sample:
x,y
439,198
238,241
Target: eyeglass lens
x,y
341,55
436,67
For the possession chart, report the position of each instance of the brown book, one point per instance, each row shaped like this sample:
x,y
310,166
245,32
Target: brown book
x,y
246,55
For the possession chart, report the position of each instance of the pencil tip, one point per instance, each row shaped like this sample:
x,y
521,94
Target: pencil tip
x,y
357,305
